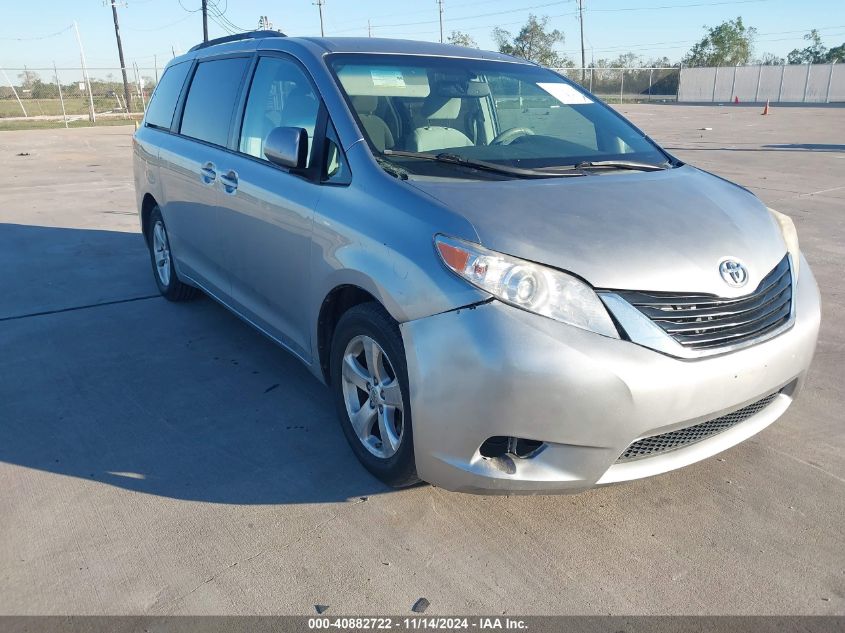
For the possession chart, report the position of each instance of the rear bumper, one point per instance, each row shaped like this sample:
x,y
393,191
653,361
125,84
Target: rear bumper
x,y
493,370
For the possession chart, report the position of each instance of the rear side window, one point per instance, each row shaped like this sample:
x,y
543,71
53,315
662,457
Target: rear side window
x,y
163,103
211,99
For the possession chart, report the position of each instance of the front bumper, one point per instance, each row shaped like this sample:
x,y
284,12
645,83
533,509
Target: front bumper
x,y
493,370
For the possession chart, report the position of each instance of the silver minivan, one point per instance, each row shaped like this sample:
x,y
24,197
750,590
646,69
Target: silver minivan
x,y
506,285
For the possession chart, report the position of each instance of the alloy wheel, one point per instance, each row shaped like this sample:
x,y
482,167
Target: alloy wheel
x,y
373,396
161,253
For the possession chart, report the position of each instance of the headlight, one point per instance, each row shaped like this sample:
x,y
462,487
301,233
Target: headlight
x,y
790,236
526,285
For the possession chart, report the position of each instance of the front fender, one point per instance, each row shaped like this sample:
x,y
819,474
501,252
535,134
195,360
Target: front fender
x,y
378,234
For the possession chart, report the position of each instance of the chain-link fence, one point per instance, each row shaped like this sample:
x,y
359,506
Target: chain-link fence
x,y
69,94
64,95
627,85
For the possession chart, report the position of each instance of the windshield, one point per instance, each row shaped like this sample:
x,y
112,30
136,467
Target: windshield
x,y
509,114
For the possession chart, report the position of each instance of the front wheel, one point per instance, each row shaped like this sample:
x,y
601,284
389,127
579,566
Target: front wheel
x,y
169,284
369,378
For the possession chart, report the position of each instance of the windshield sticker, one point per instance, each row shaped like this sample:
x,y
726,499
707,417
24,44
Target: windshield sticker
x,y
387,77
566,94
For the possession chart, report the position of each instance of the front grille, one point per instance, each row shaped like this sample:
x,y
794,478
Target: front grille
x,y
708,322
649,446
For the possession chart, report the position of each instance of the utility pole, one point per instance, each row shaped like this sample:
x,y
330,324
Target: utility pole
x,y
319,4
369,29
120,55
204,20
440,9
583,58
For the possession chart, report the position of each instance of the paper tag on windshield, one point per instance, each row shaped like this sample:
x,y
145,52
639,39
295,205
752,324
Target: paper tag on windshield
x,y
566,94
387,77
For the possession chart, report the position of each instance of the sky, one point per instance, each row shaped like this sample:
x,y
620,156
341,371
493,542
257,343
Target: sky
x,y
38,33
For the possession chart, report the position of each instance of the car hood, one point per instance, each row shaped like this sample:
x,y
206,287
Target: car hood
x,y
657,231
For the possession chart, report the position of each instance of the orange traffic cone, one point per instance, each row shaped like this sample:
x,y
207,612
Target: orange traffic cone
x,y
766,107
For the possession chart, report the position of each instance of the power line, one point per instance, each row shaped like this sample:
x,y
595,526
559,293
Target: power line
x,y
551,4
559,15
683,43
221,13
677,6
37,37
426,11
163,26
466,17
184,8
220,18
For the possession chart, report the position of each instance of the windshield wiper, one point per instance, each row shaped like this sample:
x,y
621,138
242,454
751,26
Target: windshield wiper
x,y
620,164
454,159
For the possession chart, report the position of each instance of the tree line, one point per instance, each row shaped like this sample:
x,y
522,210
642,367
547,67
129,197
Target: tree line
x,y
30,85
731,43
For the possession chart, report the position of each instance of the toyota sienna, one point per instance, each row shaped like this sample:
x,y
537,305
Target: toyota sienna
x,y
506,285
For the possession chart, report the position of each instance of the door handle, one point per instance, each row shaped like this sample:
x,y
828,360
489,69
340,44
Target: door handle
x,y
208,173
229,181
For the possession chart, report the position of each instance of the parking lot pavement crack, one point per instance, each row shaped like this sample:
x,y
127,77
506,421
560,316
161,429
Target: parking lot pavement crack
x,y
74,308
806,463
211,578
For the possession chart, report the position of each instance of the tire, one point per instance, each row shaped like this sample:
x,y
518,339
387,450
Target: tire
x,y
392,462
161,258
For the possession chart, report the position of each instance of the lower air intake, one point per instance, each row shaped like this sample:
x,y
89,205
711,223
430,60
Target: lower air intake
x,y
649,446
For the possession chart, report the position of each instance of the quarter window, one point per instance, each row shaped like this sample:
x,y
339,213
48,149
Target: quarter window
x,y
335,168
280,96
212,98
163,102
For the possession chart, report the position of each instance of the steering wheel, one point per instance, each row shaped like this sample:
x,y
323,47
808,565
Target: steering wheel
x,y
509,136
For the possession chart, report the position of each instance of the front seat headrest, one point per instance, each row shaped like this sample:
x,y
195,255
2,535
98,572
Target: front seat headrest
x,y
441,108
365,104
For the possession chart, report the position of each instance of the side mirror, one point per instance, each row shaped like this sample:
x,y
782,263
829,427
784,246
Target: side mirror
x,y
287,146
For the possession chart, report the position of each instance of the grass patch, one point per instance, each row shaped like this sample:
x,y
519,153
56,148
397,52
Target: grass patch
x,y
73,106
40,124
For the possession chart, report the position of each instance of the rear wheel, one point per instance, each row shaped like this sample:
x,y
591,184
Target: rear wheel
x,y
370,383
161,257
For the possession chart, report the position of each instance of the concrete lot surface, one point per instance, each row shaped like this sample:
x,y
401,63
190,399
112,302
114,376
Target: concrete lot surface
x,y
166,459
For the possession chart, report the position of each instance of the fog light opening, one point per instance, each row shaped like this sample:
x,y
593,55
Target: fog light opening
x,y
500,446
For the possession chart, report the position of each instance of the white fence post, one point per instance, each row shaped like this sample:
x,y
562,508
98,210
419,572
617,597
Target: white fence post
x,y
715,78
733,83
829,81
806,83
759,76
15,92
650,77
780,90
591,79
680,77
91,114
140,88
621,84
61,98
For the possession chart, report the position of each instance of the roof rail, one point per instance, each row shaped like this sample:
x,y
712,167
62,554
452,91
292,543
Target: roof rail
x,y
249,35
